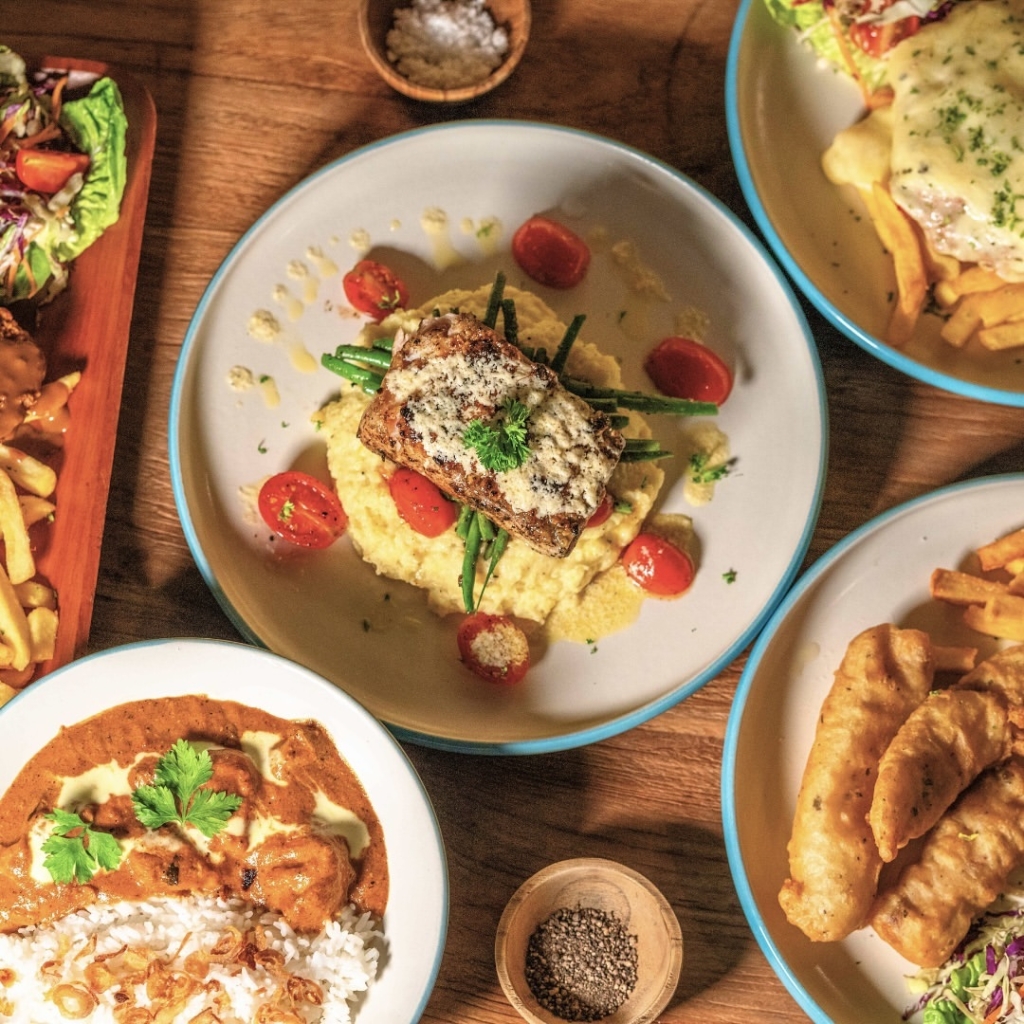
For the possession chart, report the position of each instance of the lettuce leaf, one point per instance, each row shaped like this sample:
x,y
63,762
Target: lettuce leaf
x,y
815,28
97,125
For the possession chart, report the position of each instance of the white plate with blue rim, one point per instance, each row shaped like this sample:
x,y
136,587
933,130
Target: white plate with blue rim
x,y
879,573
783,108
440,205
415,921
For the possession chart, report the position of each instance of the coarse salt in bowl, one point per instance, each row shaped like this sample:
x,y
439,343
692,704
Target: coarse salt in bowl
x,y
444,51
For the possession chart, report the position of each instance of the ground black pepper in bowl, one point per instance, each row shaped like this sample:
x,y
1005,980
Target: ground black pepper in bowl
x,y
581,963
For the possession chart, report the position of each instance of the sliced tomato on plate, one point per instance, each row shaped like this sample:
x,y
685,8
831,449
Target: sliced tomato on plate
x,y
603,511
550,253
302,509
375,289
48,170
658,566
421,503
494,648
684,368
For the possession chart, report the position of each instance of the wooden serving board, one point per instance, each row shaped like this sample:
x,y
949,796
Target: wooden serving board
x,y
87,328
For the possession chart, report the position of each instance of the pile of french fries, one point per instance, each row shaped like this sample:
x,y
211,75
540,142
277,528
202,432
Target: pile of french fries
x,y
978,303
28,605
993,605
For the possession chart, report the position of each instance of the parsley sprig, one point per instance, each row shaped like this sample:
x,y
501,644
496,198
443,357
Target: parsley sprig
x,y
75,851
176,794
501,445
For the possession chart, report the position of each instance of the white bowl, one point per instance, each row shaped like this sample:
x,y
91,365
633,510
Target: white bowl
x,y
783,108
879,573
416,919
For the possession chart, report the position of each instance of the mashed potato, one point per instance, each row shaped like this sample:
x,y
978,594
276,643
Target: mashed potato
x,y
526,584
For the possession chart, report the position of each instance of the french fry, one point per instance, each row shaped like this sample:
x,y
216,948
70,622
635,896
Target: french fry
x,y
35,594
1002,336
962,588
27,472
973,279
42,628
35,509
1003,551
14,625
6,693
954,659
899,236
1001,616
21,563
966,319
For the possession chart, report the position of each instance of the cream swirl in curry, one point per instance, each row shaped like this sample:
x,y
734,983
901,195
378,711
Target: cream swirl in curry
x,y
304,840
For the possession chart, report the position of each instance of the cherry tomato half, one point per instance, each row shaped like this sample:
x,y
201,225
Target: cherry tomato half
x,y
876,40
658,566
550,253
684,368
494,648
375,289
47,170
602,512
302,509
421,503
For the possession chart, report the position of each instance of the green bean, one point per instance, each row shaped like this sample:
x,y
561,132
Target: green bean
x,y
494,302
372,356
469,563
562,353
368,380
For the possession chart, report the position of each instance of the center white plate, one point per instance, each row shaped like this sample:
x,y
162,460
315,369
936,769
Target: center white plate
x,y
880,573
415,921
375,638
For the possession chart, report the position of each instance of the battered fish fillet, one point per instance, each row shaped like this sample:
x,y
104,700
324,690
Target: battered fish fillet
x,y
943,746
833,861
964,864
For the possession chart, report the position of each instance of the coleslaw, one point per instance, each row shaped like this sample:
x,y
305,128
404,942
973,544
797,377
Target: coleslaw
x,y
55,117
983,981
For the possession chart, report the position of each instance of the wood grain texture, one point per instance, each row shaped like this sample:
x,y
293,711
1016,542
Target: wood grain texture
x,y
253,95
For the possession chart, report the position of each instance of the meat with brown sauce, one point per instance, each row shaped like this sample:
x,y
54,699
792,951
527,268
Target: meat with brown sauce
x,y
22,369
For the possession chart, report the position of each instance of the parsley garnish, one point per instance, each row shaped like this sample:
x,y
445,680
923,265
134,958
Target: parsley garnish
x,y
702,473
501,444
175,795
75,852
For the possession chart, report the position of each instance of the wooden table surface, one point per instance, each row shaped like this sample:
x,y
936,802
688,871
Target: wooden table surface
x,y
252,96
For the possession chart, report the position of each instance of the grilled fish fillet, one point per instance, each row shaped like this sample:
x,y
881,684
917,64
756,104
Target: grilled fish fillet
x,y
833,861
22,369
454,370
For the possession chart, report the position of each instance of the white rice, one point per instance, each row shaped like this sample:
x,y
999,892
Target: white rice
x,y
342,959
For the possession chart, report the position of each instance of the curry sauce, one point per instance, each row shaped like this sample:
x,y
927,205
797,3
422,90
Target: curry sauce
x,y
304,841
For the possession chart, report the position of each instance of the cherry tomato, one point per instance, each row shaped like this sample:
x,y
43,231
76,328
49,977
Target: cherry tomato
x,y
47,170
876,40
494,648
375,289
302,509
658,566
421,503
684,368
602,512
550,253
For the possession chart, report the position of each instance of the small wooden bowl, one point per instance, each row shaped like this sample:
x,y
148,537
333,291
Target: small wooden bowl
x,y
607,886
376,18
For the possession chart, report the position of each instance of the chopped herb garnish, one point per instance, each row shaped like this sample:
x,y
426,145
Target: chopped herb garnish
x,y
702,473
501,444
75,851
729,576
176,796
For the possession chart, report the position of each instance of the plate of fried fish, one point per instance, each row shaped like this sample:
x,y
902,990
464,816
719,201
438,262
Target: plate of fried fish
x,y
872,789
892,201
389,259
